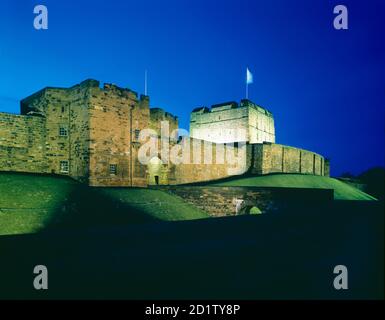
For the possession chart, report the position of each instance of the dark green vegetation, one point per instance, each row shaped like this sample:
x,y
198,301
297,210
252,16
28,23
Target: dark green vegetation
x,y
286,255
95,245
30,203
342,191
374,179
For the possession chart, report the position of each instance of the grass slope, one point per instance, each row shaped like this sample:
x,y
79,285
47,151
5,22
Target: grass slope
x,y
342,191
30,203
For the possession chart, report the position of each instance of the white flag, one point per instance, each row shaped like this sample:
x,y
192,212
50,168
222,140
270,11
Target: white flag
x,y
249,76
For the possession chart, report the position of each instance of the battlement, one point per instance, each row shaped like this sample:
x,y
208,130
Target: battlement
x,y
88,83
201,110
159,113
224,106
92,133
37,103
123,92
232,122
245,103
249,103
216,107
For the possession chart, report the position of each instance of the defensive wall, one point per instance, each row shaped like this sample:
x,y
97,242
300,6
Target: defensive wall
x,y
92,134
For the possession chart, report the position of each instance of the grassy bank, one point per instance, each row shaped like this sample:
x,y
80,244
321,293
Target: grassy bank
x,y
30,203
342,191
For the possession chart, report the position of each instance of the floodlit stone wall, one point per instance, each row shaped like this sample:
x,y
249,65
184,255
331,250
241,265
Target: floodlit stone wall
x,y
88,127
92,134
211,161
157,116
230,122
277,158
261,159
116,118
22,143
230,201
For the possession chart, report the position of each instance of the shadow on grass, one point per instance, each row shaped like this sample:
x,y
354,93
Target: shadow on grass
x,y
287,255
89,207
100,248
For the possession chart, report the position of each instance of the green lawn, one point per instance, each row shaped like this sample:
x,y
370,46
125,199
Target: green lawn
x,y
342,191
30,203
156,203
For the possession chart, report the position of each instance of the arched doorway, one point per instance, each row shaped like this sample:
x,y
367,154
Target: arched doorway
x,y
154,171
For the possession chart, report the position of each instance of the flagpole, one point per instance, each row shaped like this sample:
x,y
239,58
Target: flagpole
x,y
247,87
247,90
145,82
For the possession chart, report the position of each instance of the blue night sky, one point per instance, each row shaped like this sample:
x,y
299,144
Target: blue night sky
x,y
325,87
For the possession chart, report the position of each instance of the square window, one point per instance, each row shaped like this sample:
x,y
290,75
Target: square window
x,y
137,132
63,132
64,166
113,169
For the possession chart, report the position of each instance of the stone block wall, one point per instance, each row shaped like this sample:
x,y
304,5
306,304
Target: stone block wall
x,y
116,118
22,143
277,158
307,159
57,112
222,201
157,116
222,123
326,167
102,125
215,161
291,159
79,134
261,123
66,109
101,140
259,159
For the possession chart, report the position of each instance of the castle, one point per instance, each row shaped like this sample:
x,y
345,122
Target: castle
x,y
220,124
93,134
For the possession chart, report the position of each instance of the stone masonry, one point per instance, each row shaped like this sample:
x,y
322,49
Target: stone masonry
x,y
223,122
92,134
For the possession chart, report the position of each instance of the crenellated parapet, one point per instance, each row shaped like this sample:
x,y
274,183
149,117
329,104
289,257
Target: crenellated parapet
x,y
92,133
233,122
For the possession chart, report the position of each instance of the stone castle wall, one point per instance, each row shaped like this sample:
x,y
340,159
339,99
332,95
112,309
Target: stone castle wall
x,y
222,201
260,124
259,158
102,127
211,161
116,117
157,116
22,143
64,109
221,123
101,140
79,133
276,158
